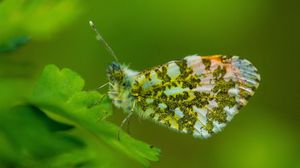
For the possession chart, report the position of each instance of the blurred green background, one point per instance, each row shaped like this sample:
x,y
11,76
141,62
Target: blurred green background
x,y
148,33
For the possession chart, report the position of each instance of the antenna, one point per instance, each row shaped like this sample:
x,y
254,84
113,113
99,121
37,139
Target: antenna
x,y
101,39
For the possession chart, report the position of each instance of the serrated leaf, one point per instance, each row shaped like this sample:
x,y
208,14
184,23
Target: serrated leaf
x,y
59,91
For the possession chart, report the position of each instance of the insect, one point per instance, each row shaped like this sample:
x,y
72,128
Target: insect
x,y
196,95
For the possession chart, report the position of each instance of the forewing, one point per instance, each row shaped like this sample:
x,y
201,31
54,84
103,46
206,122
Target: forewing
x,y
196,95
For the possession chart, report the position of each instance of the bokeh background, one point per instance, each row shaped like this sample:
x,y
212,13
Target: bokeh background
x,y
148,33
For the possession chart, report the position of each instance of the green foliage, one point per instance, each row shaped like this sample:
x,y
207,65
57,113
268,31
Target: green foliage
x,y
58,124
37,19
65,126
30,137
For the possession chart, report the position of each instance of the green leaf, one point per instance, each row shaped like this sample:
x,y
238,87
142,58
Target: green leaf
x,y
28,136
55,86
60,92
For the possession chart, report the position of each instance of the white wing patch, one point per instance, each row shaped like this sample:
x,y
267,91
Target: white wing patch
x,y
195,95
173,70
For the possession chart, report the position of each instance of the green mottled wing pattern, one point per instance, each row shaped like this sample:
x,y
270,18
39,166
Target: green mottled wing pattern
x,y
195,95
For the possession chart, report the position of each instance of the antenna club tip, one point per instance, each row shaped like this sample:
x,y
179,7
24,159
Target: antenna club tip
x,y
91,23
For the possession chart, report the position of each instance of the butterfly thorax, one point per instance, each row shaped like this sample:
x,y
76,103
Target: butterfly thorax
x,y
121,79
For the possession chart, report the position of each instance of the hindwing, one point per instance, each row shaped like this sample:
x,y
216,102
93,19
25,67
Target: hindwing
x,y
197,95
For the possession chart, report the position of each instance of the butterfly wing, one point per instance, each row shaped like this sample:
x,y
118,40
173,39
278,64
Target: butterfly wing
x,y
198,94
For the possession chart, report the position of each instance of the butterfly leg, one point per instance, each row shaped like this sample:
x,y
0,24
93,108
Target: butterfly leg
x,y
128,127
98,101
126,119
105,84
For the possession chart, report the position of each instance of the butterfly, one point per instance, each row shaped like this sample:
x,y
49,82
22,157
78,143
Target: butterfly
x,y
196,95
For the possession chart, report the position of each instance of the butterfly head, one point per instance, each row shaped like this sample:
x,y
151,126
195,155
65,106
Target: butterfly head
x,y
121,79
116,75
115,72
